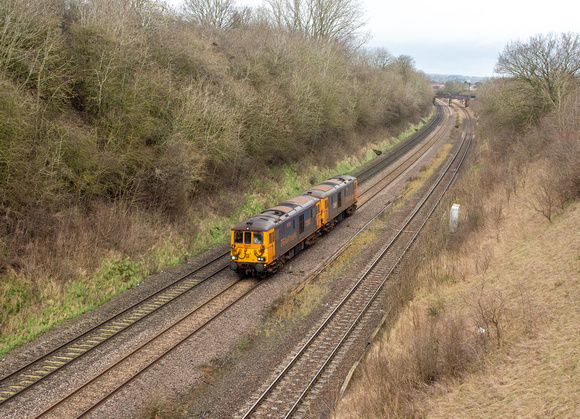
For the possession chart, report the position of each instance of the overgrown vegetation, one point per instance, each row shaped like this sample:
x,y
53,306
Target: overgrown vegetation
x,y
464,312
130,132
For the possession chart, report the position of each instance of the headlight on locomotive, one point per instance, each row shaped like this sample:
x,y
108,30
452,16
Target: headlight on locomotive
x,y
234,257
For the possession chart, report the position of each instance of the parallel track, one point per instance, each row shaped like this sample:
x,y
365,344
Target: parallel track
x,y
375,189
402,165
89,396
400,150
288,390
40,368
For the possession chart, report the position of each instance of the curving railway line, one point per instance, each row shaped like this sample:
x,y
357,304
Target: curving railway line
x,y
121,372
402,158
287,394
378,165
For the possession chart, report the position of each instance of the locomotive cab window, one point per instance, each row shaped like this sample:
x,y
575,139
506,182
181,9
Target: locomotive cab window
x,y
238,237
247,237
258,238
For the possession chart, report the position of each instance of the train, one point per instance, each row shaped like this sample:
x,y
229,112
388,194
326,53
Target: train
x,y
262,244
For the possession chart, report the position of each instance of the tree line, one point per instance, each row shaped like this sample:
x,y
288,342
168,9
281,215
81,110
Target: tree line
x,y
336,20
531,114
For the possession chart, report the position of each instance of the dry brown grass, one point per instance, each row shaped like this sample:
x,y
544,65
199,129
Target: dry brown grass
x,y
518,278
536,373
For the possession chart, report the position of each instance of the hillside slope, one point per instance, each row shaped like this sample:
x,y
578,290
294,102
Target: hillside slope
x,y
131,137
536,267
522,269
491,313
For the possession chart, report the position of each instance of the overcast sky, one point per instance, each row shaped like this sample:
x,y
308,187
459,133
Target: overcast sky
x,y
459,37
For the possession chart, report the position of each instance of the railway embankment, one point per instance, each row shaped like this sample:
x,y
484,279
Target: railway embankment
x,y
129,135
492,331
490,324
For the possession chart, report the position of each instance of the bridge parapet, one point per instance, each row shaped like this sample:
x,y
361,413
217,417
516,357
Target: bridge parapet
x,y
451,96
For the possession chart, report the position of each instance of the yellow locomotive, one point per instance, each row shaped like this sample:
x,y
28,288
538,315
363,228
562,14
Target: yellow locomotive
x,y
261,244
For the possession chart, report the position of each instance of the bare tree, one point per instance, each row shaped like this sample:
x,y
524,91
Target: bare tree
x,y
288,14
218,13
549,63
339,20
378,58
406,66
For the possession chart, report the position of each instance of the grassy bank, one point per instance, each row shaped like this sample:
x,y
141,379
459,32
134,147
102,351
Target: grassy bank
x,y
490,331
481,321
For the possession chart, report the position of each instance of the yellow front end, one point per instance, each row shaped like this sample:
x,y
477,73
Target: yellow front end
x,y
252,249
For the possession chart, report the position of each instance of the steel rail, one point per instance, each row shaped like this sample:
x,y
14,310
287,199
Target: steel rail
x,y
379,289
153,340
346,298
5,381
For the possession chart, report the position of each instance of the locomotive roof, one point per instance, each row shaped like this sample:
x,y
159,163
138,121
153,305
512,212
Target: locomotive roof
x,y
292,206
275,215
328,187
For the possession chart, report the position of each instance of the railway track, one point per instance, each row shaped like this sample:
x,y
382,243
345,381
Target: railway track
x,y
386,159
404,158
40,368
65,356
286,395
375,189
89,396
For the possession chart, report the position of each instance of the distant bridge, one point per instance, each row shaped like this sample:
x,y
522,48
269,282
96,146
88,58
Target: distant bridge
x,y
463,98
